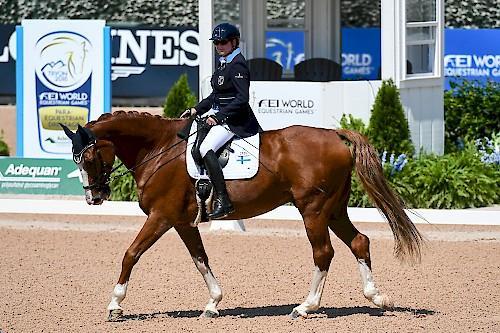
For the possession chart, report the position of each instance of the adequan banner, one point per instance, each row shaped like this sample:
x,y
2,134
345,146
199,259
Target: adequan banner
x,y
39,176
63,73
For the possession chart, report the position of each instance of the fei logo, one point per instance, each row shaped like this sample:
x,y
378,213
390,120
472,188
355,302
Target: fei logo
x,y
64,60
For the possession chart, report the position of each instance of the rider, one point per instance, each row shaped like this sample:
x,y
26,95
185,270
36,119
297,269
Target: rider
x,y
228,110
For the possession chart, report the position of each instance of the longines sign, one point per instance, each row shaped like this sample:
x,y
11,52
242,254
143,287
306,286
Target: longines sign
x,y
145,61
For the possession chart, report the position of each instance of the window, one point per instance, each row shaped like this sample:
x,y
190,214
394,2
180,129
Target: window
x,y
286,32
421,25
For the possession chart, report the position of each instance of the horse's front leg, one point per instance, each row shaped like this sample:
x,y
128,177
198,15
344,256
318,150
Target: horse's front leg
x,y
152,230
192,239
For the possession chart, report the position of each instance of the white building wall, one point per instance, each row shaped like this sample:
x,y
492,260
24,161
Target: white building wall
x,y
349,97
424,111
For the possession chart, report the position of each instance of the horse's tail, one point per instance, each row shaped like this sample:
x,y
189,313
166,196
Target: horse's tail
x,y
408,240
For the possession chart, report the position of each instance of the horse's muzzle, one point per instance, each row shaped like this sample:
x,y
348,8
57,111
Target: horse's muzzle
x,y
99,197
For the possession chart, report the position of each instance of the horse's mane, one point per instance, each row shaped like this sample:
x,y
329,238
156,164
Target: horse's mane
x,y
129,115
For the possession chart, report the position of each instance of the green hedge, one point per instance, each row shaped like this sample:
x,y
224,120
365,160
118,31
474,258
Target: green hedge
x,y
4,149
471,111
158,13
458,13
354,13
123,188
457,180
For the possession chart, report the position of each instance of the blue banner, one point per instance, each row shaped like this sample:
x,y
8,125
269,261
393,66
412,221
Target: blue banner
x,y
360,53
472,54
7,59
285,47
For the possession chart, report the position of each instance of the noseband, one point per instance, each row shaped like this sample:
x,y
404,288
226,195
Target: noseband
x,y
102,178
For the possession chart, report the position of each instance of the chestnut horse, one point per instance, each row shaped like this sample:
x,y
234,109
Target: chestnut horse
x,y
309,167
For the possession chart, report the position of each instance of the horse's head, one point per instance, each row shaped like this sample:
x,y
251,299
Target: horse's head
x,y
95,160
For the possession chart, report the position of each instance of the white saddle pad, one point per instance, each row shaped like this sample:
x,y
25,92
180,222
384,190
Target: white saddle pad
x,y
242,164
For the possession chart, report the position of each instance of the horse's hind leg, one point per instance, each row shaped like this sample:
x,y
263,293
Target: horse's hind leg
x,y
317,232
360,247
152,230
191,238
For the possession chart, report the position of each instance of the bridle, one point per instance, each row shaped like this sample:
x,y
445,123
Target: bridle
x,y
102,178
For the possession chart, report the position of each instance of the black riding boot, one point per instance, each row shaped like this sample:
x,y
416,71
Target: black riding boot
x,y
222,205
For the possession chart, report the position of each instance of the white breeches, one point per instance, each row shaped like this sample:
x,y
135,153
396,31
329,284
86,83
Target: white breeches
x,y
216,138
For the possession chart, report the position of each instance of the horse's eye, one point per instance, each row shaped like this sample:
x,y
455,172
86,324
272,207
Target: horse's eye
x,y
88,156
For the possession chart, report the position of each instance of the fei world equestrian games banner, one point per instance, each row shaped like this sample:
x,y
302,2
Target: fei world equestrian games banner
x,y
472,54
62,76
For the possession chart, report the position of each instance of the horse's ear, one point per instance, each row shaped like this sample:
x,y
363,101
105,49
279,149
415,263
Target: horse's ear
x,y
86,134
67,131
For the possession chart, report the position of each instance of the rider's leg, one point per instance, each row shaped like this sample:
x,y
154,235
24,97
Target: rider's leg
x,y
215,139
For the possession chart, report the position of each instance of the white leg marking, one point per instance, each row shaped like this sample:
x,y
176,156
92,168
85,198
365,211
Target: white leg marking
x,y
213,287
117,296
369,289
85,182
314,298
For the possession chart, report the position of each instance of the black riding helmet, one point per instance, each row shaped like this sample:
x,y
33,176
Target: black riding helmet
x,y
225,31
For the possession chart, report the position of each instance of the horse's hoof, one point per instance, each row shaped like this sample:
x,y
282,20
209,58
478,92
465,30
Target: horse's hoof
x,y
387,303
209,314
297,314
383,301
115,315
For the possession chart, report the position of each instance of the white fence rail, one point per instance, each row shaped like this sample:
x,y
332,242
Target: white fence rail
x,y
120,208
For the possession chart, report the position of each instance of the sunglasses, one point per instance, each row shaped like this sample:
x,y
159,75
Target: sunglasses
x,y
221,42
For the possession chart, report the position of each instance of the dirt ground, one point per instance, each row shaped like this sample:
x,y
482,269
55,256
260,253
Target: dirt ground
x,y
57,273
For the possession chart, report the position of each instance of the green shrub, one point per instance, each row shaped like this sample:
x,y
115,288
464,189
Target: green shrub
x,y
391,168
4,149
388,128
471,111
179,98
457,180
352,123
123,188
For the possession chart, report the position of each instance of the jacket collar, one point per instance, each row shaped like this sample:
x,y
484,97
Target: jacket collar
x,y
227,59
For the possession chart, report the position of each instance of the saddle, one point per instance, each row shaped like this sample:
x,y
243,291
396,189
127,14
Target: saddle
x,y
239,159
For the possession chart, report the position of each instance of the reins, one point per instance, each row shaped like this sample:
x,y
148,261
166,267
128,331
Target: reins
x,y
131,169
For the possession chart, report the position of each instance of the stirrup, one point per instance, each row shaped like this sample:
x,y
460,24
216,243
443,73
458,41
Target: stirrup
x,y
220,211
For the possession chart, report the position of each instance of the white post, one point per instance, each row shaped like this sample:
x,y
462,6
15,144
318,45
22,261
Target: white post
x,y
227,225
205,21
390,39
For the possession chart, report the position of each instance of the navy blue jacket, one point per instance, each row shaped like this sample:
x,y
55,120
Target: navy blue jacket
x,y
230,95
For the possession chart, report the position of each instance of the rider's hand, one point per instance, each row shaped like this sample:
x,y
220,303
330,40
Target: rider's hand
x,y
188,113
211,121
